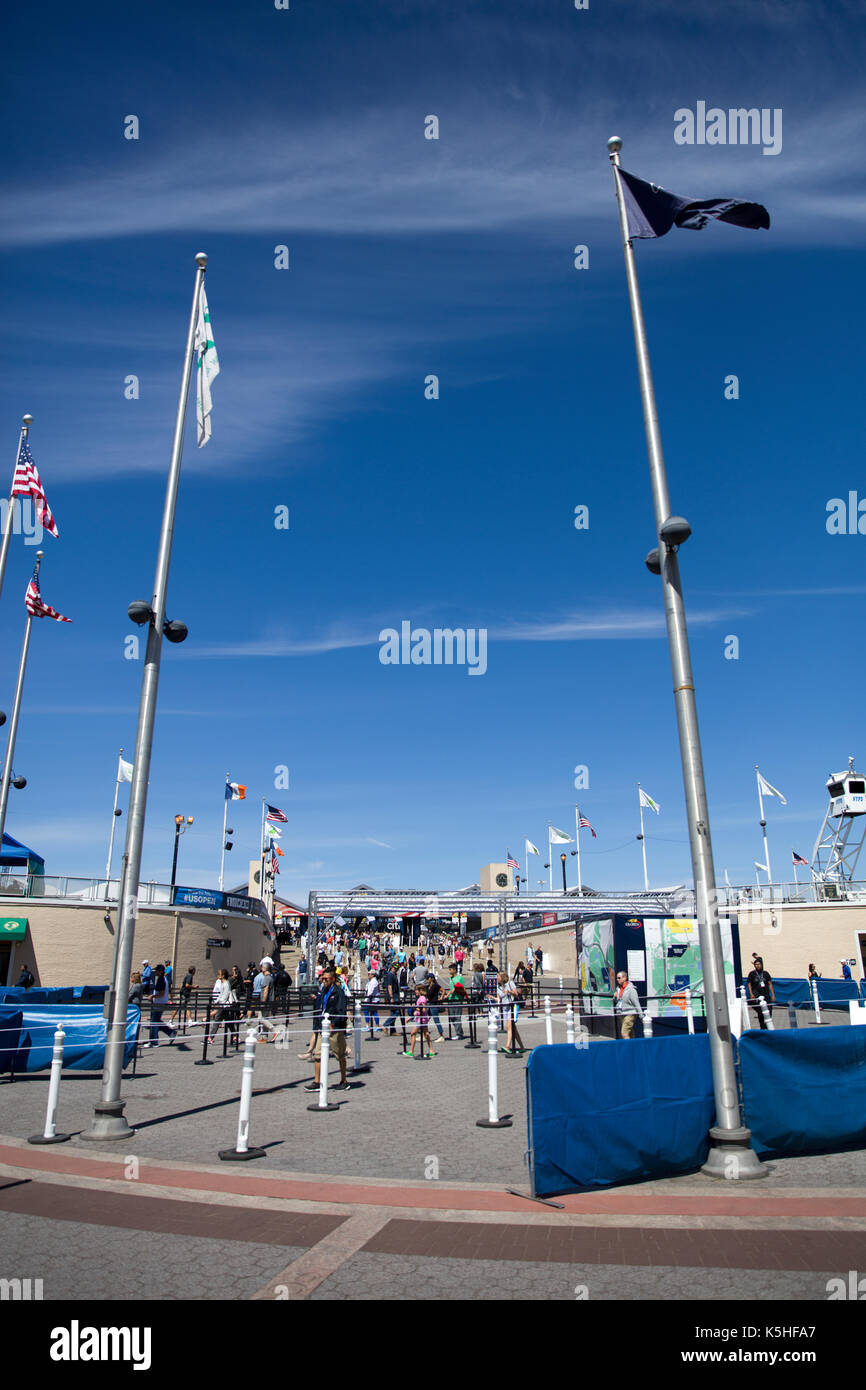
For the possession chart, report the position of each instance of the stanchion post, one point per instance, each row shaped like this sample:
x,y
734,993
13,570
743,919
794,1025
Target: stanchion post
x,y
204,1060
569,1025
50,1135
817,1021
323,1104
765,1010
472,1015
744,1005
647,1024
242,1150
690,1013
548,1020
493,1120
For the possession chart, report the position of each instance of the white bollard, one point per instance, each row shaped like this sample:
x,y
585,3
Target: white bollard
x,y
647,1025
493,1121
816,1001
49,1135
322,1102
747,1022
569,1025
690,1013
548,1020
765,1010
242,1148
560,984
358,1027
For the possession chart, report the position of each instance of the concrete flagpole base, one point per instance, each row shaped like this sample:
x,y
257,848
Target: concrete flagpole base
x,y
731,1159
108,1123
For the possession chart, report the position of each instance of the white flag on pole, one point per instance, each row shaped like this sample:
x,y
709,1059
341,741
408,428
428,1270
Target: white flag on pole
x,y
649,803
530,847
207,367
558,837
768,790
761,866
124,771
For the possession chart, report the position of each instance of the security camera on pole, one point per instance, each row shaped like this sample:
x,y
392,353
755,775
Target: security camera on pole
x,y
108,1118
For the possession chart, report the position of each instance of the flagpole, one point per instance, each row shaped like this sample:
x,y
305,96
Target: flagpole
x,y
577,847
730,1154
764,827
113,824
225,823
108,1119
549,859
642,839
16,712
26,422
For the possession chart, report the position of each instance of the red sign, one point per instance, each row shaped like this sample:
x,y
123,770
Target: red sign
x,y
548,919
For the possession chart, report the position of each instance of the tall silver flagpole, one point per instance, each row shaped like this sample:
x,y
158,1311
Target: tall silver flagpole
x,y
764,827
113,824
225,823
550,859
730,1155
642,839
26,422
108,1118
577,847
16,713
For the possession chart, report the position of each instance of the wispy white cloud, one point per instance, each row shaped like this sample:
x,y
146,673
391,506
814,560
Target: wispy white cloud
x,y
380,843
575,627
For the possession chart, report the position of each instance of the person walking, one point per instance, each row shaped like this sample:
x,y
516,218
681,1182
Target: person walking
x,y
433,992
539,961
760,984
508,996
456,1000
420,1025
330,1000
390,984
186,988
221,998
159,1002
626,1004
371,1001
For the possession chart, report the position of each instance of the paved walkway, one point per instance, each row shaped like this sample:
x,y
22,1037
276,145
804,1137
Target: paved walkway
x,y
382,1199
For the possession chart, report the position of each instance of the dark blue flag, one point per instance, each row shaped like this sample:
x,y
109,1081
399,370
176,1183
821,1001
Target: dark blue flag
x,y
652,211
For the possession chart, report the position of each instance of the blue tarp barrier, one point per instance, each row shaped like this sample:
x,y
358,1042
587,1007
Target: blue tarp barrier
x,y
804,1089
615,1113
39,994
83,1024
10,1037
832,994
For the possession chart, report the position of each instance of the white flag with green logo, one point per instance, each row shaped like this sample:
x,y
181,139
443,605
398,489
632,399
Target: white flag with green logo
x,y
649,803
207,367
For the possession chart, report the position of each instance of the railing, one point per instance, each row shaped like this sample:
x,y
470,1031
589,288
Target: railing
x,y
790,894
100,890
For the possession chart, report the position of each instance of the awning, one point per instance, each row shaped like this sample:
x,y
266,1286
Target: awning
x,y
15,854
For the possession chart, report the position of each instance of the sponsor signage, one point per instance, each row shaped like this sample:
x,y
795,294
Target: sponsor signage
x,y
199,897
548,919
13,928
221,942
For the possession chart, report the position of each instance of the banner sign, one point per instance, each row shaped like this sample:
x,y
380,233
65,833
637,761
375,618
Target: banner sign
x,y
13,928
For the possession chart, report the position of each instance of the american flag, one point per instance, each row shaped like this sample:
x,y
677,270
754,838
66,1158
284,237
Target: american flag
x,y
275,868
275,814
511,861
34,605
585,825
798,858
26,483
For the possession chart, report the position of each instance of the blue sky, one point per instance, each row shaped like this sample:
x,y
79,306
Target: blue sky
x,y
409,257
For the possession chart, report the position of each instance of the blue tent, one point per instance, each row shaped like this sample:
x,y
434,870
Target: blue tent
x,y
14,854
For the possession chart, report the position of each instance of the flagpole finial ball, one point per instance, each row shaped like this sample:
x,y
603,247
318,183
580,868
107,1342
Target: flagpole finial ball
x,y
40,554
27,420
201,259
614,144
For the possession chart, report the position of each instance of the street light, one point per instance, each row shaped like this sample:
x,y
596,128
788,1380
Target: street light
x,y
564,884
181,825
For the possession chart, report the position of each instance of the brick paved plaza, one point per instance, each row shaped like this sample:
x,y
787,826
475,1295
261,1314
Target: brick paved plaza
x,y
397,1194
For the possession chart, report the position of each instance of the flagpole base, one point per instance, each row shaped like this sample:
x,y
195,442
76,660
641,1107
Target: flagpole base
x,y
108,1123
731,1157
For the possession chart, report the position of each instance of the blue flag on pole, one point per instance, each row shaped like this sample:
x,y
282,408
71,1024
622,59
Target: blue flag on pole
x,y
652,211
